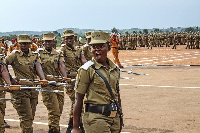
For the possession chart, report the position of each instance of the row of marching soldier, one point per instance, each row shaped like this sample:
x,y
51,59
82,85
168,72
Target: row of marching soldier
x,y
69,65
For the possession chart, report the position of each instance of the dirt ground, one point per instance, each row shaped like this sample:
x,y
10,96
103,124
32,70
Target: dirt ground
x,y
165,101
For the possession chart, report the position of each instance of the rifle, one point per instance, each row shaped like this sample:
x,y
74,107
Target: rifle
x,y
17,87
131,72
38,82
59,79
7,99
23,87
72,74
126,78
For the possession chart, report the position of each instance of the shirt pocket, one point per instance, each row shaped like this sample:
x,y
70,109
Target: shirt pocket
x,y
99,85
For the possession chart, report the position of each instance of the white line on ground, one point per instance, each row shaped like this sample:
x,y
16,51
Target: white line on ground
x,y
188,87
41,123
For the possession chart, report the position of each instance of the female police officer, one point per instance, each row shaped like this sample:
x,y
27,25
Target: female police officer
x,y
26,65
97,116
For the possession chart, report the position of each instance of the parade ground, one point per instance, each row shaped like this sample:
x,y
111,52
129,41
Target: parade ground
x,y
164,101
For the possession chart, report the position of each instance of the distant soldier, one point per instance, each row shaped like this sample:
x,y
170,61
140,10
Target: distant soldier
x,y
5,45
175,41
14,46
124,41
87,48
150,39
134,42
115,51
76,41
34,46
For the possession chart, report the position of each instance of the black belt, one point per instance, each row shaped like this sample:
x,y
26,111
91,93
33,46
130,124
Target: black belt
x,y
106,110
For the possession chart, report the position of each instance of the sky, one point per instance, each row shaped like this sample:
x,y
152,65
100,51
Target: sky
x,y
50,15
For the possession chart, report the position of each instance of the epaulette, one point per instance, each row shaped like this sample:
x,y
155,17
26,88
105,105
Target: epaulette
x,y
40,49
15,51
58,50
87,65
85,45
35,52
62,45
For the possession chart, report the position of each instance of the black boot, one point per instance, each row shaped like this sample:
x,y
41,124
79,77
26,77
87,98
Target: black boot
x,y
6,124
70,126
82,128
53,130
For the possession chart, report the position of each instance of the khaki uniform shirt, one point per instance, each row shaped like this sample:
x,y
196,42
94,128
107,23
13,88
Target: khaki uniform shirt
x,y
1,62
90,83
72,58
87,52
49,60
23,65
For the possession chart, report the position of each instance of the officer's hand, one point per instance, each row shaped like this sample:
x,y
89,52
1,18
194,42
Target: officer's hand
x,y
44,82
7,87
14,81
67,79
76,130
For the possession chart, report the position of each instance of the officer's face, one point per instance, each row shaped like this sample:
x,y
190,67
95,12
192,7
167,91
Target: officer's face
x,y
99,52
24,46
48,44
88,40
69,40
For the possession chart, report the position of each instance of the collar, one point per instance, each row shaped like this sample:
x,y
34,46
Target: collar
x,y
22,53
69,48
52,52
99,65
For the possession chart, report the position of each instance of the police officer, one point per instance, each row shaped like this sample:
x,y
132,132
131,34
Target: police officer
x,y
115,51
74,58
97,117
4,77
86,48
52,64
26,65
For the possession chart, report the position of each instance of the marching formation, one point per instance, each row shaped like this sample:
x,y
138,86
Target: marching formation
x,y
86,74
131,42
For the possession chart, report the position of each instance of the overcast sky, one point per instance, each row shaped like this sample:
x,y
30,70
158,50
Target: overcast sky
x,y
49,15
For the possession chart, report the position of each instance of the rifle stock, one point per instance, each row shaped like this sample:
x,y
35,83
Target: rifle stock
x,y
12,88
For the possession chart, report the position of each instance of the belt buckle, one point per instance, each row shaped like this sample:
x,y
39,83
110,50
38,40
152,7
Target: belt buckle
x,y
113,114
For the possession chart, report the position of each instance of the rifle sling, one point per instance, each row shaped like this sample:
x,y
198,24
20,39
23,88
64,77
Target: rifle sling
x,y
108,86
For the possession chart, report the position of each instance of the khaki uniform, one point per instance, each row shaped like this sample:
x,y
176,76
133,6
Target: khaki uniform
x,y
89,83
26,100
72,63
53,101
87,52
2,106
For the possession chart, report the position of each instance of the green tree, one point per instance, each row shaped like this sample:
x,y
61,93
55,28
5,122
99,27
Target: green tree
x,y
156,30
145,31
114,30
189,29
126,33
134,32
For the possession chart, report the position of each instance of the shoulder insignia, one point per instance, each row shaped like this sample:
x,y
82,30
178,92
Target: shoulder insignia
x,y
62,45
87,65
14,51
40,49
85,45
58,50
